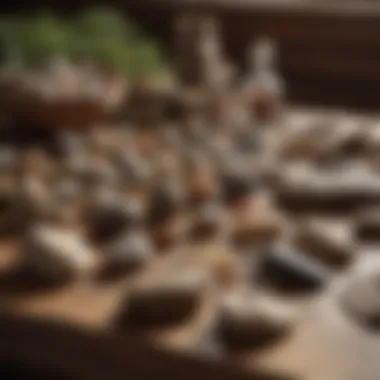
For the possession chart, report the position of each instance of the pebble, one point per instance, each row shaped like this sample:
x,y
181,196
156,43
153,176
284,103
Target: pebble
x,y
257,223
165,202
166,300
286,270
56,254
252,322
368,225
129,253
329,243
208,222
247,142
92,171
359,297
8,158
236,185
109,216
68,190
220,262
11,217
69,144
131,168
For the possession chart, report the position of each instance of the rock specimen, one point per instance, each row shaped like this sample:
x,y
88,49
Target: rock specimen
x,y
56,254
161,301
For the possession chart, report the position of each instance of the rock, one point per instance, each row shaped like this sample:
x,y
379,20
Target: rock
x,y
257,223
237,185
330,243
109,216
208,222
247,142
170,233
368,225
56,254
165,202
92,171
131,168
345,190
220,262
128,254
68,190
12,219
200,178
8,157
34,200
310,141
168,300
359,296
69,144
285,269
249,322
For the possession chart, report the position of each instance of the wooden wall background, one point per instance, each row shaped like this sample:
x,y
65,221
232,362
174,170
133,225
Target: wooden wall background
x,y
329,49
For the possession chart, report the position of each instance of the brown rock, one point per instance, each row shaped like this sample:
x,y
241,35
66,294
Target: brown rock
x,y
327,242
249,322
168,300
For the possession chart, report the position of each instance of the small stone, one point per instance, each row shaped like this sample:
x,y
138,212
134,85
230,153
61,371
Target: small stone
x,y
107,217
247,142
168,234
11,218
92,171
208,222
129,253
257,223
69,144
200,181
237,185
68,190
348,189
222,264
168,300
56,254
8,157
131,168
285,269
249,322
165,202
359,297
368,225
34,199
329,243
